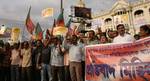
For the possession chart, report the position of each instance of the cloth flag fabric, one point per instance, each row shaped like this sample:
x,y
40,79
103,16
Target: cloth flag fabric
x,y
60,20
68,25
60,31
47,12
54,25
38,31
29,24
46,34
60,28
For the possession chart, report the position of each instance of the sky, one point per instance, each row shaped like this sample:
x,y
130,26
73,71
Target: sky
x,y
18,9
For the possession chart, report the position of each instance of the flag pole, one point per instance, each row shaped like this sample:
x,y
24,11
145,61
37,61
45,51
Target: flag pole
x,y
61,6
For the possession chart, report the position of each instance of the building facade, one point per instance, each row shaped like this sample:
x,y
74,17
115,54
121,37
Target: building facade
x,y
24,35
132,15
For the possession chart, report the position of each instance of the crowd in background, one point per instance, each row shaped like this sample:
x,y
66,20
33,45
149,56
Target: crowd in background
x,y
57,58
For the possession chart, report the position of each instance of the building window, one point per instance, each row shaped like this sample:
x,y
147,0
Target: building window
x,y
139,13
108,21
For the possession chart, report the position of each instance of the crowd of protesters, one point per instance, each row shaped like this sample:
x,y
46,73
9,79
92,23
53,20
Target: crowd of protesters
x,y
57,58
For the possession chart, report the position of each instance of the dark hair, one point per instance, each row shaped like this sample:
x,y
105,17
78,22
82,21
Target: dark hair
x,y
103,34
110,31
7,46
34,43
75,36
39,42
26,42
119,26
83,31
137,36
146,28
22,45
92,31
15,46
1,43
81,40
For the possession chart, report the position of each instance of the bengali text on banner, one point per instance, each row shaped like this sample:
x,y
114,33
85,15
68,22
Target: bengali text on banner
x,y
119,62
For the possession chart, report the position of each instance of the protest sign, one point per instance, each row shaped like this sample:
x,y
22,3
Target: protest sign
x,y
119,62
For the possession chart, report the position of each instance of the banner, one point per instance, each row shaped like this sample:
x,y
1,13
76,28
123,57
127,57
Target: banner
x,y
47,12
2,29
119,62
6,34
15,34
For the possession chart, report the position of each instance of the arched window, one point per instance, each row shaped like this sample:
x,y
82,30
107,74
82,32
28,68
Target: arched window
x,y
108,21
139,13
120,11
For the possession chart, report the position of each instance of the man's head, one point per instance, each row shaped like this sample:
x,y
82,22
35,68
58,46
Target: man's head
x,y
39,43
7,46
55,40
110,33
82,33
91,34
121,29
26,45
1,43
74,39
144,31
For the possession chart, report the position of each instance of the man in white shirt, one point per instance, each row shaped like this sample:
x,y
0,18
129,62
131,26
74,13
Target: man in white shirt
x,y
75,58
57,60
122,36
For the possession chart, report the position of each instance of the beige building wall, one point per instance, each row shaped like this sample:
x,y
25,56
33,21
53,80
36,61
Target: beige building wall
x,y
132,15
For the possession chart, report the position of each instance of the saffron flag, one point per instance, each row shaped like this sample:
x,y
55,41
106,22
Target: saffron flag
x,y
38,32
119,62
60,28
47,12
60,20
60,31
29,24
